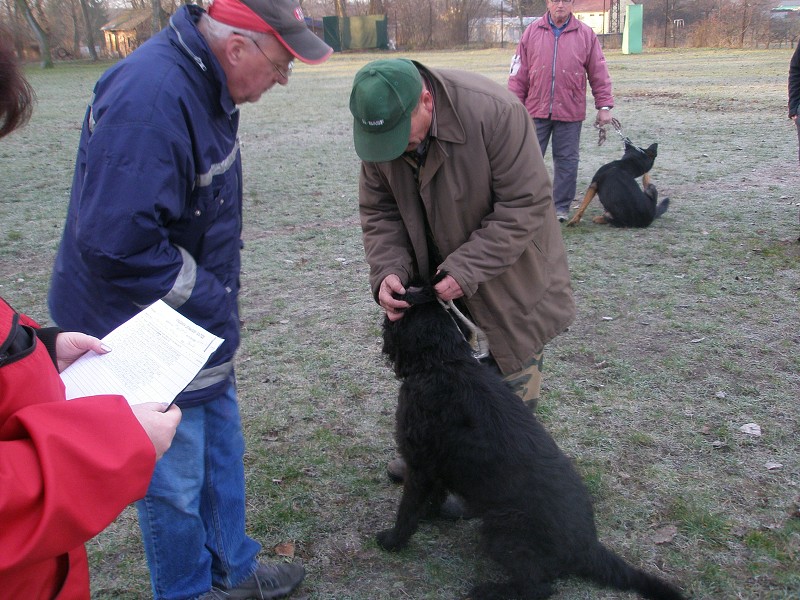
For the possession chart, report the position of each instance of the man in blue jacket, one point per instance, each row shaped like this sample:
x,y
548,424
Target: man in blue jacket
x,y
156,213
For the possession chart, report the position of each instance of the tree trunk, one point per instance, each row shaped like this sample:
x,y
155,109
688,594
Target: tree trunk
x,y
521,14
76,35
744,25
156,24
341,11
89,29
39,32
13,17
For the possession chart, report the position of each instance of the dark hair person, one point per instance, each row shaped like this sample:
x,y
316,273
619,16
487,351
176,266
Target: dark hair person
x,y
16,94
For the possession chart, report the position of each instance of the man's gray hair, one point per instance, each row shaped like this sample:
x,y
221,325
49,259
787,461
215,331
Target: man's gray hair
x,y
213,30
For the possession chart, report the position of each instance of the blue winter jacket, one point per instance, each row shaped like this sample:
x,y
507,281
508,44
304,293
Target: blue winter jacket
x,y
156,204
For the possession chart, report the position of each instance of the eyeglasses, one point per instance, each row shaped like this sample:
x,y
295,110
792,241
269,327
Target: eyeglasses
x,y
289,67
281,72
557,2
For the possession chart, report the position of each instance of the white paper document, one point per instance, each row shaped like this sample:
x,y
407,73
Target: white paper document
x,y
153,357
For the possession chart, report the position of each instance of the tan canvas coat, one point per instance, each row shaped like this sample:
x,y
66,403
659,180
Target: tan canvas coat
x,y
488,199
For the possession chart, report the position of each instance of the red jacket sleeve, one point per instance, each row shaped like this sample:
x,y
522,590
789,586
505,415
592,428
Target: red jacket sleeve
x,y
67,469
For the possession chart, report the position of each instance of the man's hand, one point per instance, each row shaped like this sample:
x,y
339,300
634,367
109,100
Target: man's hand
x,y
159,425
603,117
71,345
448,289
394,308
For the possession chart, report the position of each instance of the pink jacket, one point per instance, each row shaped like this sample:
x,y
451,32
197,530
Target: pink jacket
x,y
549,75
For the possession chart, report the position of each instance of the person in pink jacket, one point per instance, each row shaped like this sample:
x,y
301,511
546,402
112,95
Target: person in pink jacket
x,y
548,74
67,469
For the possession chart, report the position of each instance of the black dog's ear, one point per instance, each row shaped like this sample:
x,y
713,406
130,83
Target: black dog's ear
x,y
652,151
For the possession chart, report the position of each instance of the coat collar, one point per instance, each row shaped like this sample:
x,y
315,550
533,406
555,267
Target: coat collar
x,y
186,37
544,22
448,124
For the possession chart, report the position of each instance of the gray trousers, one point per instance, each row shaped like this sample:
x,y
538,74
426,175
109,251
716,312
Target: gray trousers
x,y
566,136
797,124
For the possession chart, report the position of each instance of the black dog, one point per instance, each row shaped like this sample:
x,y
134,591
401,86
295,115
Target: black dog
x,y
625,203
461,429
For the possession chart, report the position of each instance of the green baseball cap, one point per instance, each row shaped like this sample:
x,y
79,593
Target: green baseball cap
x,y
385,93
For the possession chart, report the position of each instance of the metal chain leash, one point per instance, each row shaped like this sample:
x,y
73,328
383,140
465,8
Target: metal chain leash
x,y
601,131
626,141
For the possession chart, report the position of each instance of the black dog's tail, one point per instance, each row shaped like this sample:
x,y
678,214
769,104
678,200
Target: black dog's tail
x,y
611,570
662,207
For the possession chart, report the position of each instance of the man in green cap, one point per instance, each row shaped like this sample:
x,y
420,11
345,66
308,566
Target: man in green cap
x,y
452,179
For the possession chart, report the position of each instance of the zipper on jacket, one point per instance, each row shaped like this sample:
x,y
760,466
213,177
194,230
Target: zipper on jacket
x,y
553,76
196,58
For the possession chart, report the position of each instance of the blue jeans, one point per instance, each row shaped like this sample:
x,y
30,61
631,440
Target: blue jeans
x,y
566,136
192,518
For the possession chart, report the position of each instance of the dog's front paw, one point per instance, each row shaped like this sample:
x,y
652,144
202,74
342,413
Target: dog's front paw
x,y
389,540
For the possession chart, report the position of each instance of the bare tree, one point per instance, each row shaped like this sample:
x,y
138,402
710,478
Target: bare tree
x,y
746,16
460,14
39,31
722,23
16,26
76,30
340,6
528,8
669,5
89,29
430,23
155,6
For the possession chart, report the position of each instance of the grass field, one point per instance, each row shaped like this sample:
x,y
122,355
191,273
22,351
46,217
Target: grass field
x,y
686,331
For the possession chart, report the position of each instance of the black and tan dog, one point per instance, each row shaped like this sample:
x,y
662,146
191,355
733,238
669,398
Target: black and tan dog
x,y
625,204
461,429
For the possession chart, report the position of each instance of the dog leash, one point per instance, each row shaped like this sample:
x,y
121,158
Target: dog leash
x,y
478,339
601,134
601,131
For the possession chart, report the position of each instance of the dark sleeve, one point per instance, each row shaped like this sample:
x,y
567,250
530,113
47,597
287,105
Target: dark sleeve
x,y
48,335
794,81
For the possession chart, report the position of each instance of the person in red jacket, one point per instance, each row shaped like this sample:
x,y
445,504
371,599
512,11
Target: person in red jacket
x,y
555,56
67,469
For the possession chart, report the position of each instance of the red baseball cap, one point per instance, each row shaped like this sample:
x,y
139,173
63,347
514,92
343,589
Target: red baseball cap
x,y
282,18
